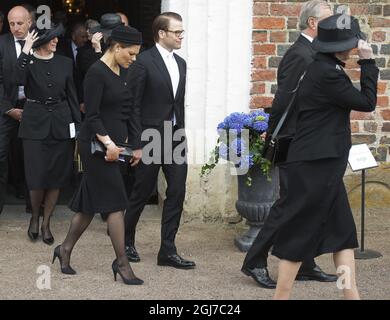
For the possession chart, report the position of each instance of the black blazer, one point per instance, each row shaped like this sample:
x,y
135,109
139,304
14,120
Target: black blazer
x,y
42,80
8,89
326,99
293,65
153,100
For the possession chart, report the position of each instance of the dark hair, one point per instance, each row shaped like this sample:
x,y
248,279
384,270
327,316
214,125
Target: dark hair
x,y
112,43
77,26
162,23
1,16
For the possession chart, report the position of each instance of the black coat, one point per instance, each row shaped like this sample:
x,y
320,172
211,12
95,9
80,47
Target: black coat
x,y
42,80
293,65
326,99
151,87
8,89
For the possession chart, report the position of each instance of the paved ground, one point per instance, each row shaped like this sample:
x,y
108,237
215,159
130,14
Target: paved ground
x,y
217,276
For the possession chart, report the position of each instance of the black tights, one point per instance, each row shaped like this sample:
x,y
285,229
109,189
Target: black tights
x,y
116,228
48,199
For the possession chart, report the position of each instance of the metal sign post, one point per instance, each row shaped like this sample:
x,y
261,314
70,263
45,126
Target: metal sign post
x,y
360,159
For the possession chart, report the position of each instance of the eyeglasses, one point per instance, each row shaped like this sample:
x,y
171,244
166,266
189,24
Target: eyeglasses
x,y
178,33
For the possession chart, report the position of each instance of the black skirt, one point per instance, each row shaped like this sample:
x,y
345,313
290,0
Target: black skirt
x,y
48,163
317,217
102,188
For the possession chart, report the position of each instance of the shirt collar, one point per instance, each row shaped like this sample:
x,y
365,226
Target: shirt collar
x,y
164,52
307,37
16,40
74,47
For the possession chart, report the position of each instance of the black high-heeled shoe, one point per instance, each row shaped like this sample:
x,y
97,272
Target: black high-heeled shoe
x,y
115,270
50,240
65,270
32,235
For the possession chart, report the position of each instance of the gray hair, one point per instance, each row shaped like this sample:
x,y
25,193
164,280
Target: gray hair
x,y
311,9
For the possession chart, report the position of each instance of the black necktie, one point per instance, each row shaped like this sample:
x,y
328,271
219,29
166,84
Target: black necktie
x,y
21,42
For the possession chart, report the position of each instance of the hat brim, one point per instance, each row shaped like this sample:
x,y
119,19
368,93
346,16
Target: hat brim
x,y
106,31
50,35
338,46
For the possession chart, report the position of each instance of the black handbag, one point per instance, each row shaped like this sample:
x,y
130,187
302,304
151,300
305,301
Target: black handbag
x,y
98,149
276,146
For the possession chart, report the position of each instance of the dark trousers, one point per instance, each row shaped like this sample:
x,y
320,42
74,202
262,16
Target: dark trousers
x,y
145,182
258,253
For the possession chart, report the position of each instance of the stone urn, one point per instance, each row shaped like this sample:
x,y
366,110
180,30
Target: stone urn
x,y
254,203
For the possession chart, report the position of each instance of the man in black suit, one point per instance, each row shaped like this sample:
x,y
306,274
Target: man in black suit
x,y
12,97
291,68
157,80
1,21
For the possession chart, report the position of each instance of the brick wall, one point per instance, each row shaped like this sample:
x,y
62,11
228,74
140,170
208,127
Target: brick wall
x,y
275,28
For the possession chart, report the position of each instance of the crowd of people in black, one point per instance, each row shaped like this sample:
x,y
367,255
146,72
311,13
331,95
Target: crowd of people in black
x,y
99,86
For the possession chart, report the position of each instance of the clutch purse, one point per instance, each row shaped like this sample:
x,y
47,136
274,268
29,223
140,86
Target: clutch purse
x,y
98,149
276,149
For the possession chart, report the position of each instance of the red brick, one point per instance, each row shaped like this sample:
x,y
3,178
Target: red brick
x,y
258,88
269,1
382,101
376,22
359,9
355,115
259,36
385,115
268,23
378,36
355,127
353,74
382,87
278,36
265,49
261,102
260,62
260,9
285,10
264,75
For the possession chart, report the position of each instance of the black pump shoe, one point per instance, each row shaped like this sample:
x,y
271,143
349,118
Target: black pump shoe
x,y
32,235
65,270
115,270
48,240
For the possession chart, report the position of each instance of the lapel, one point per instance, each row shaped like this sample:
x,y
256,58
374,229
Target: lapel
x,y
305,42
182,72
159,62
11,50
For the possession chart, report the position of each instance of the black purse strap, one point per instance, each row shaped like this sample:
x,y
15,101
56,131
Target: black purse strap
x,y
283,119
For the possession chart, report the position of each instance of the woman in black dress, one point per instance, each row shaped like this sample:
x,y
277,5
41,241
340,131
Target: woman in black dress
x,y
108,118
318,217
48,125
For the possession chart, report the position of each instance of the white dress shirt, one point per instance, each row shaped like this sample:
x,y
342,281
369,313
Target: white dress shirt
x,y
18,47
307,37
74,50
173,69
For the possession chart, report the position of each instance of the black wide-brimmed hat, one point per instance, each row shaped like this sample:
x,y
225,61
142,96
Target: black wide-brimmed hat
x,y
126,35
108,22
338,33
46,35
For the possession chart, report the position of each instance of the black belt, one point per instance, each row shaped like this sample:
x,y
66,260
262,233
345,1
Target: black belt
x,y
47,102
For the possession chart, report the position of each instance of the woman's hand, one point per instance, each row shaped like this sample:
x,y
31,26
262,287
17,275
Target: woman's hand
x,y
112,153
31,38
137,155
365,50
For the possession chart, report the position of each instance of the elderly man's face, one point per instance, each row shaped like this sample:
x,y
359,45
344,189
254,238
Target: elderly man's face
x,y
80,37
19,22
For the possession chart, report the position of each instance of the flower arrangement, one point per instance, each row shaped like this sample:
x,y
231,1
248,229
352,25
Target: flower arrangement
x,y
240,141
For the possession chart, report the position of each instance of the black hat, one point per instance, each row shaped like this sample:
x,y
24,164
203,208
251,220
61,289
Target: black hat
x,y
126,35
46,35
108,22
338,33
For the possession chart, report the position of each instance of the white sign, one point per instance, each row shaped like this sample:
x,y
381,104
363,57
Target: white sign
x,y
360,158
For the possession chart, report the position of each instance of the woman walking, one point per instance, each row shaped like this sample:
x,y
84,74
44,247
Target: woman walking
x,y
318,215
50,119
108,119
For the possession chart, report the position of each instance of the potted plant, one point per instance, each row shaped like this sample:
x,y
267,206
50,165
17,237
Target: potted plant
x,y
241,142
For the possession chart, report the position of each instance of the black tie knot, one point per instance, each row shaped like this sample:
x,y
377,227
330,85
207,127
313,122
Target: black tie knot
x,y
22,43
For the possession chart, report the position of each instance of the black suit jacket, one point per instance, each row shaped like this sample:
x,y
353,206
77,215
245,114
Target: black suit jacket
x,y
153,100
293,65
326,99
8,89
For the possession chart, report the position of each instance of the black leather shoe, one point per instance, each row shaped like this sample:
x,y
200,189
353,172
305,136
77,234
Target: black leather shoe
x,y
315,274
132,254
175,261
261,276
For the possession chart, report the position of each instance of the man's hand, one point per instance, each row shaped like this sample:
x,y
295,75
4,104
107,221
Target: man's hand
x,y
365,50
137,155
96,41
16,114
82,107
